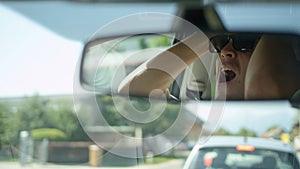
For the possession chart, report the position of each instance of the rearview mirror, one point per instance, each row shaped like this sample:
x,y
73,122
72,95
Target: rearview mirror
x,y
110,57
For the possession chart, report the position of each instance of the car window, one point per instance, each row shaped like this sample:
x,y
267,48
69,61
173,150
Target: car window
x,y
229,157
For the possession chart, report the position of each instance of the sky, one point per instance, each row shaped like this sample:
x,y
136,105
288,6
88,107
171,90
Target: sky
x,y
39,55
259,116
252,115
34,60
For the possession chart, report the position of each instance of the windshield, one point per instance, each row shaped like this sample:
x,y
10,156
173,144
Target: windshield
x,y
230,157
66,100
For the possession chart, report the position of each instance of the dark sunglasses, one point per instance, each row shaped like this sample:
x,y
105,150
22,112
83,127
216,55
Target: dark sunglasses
x,y
240,42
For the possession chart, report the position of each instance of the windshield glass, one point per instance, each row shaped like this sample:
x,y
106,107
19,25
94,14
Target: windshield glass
x,y
230,157
66,100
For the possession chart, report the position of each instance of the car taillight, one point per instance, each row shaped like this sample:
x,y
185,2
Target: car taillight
x,y
208,161
245,148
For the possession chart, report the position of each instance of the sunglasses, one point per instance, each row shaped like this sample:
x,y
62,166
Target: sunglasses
x,y
240,42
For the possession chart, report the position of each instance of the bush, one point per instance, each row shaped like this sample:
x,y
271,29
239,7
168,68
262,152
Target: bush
x,y
48,133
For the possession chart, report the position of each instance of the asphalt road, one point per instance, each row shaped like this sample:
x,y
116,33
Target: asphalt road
x,y
174,164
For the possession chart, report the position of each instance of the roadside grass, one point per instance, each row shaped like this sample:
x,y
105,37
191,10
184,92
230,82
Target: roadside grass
x,y
159,159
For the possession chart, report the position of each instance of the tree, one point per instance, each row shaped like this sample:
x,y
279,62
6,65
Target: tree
x,y
155,41
115,118
48,133
222,132
32,114
246,132
64,118
37,112
4,111
241,132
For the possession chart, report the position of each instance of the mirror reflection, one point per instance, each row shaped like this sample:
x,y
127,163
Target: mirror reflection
x,y
221,66
107,62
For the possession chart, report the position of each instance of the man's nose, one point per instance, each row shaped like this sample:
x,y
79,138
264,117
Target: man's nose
x,y
228,52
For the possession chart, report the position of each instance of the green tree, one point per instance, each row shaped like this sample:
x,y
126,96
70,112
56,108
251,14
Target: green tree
x,y
246,132
155,41
4,112
48,133
115,118
222,132
31,113
62,116
160,41
37,112
10,123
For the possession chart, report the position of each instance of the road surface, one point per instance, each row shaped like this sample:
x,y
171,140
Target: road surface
x,y
174,164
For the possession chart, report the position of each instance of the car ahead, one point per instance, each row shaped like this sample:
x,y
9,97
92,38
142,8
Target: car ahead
x,y
242,153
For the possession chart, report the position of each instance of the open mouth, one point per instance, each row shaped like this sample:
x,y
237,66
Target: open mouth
x,y
227,75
